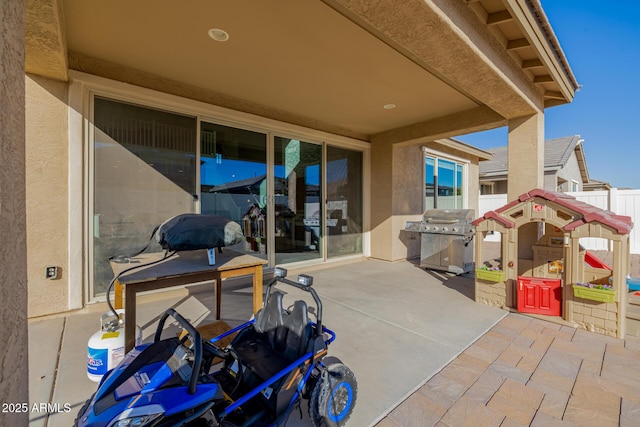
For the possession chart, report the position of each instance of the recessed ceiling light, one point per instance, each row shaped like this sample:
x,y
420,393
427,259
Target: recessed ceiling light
x,y
389,106
218,35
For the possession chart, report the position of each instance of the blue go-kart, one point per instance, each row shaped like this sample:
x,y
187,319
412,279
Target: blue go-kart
x,y
274,361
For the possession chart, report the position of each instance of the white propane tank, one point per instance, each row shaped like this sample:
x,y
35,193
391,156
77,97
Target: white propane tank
x,y
105,349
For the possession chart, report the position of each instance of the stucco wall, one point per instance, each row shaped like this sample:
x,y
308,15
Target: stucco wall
x,y
551,181
47,194
400,197
408,199
571,171
13,253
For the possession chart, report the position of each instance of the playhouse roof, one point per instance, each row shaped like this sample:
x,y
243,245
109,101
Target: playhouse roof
x,y
588,213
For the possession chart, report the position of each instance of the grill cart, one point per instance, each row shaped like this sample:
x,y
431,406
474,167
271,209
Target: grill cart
x,y
446,235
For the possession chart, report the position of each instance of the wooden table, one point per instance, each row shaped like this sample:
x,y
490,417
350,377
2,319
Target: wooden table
x,y
181,269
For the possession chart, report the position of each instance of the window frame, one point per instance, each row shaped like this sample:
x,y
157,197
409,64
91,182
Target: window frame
x,y
458,161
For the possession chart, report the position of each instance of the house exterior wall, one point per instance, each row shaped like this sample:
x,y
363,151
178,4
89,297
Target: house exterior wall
x,y
408,199
571,172
500,187
405,192
47,195
14,364
551,180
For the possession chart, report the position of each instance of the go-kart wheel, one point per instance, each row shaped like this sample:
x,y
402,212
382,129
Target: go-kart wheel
x,y
333,396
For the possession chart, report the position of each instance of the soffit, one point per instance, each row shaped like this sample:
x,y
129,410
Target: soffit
x,y
328,65
300,57
522,28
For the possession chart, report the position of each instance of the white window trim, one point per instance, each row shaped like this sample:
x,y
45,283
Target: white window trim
x,y
575,184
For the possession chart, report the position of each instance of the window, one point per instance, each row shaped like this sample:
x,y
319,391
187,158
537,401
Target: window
x,y
575,186
444,182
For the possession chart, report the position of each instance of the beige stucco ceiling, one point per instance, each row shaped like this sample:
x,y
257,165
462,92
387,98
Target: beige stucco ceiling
x,y
325,67
329,65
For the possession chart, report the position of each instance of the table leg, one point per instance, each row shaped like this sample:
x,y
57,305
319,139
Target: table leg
x,y
218,296
130,318
118,292
257,288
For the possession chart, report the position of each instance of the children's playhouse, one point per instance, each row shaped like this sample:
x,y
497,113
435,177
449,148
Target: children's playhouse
x,y
543,269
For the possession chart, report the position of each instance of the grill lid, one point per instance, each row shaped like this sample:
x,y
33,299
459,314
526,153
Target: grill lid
x,y
444,221
448,216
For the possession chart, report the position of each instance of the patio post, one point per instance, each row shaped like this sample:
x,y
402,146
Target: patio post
x,y
525,155
13,254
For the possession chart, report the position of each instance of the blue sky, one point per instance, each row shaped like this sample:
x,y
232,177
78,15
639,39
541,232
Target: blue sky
x,y
601,40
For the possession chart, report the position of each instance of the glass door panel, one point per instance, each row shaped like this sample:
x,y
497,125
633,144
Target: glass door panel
x,y
298,221
144,173
344,202
233,181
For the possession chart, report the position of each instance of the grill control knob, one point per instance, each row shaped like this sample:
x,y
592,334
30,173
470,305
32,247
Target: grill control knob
x,y
445,229
455,229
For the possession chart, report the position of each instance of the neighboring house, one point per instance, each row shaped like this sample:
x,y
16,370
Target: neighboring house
x,y
565,167
332,113
596,185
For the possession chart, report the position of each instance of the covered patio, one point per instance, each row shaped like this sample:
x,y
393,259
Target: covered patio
x,y
397,325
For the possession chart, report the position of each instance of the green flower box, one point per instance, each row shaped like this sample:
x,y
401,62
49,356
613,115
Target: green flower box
x,y
593,294
490,275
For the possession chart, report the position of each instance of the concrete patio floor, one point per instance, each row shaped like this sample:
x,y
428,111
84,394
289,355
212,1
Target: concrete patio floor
x,y
396,325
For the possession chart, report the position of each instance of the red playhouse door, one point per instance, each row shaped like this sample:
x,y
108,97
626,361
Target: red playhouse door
x,y
539,296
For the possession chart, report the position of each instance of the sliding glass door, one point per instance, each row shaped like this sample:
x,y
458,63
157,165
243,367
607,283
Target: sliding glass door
x,y
144,172
233,181
149,165
298,225
344,202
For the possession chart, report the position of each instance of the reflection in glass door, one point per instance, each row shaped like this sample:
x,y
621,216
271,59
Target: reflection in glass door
x,y
233,181
144,172
344,202
298,224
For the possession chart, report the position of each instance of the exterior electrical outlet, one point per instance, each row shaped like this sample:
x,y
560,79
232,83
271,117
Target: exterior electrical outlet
x,y
51,272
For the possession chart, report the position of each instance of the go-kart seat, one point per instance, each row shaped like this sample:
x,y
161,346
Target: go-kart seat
x,y
298,331
276,339
259,348
269,320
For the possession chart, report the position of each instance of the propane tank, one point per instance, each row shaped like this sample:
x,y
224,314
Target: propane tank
x,y
105,349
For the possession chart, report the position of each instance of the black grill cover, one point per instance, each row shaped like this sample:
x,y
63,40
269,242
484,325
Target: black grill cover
x,y
187,232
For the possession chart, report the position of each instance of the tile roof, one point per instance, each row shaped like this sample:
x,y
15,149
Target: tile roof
x,y
557,152
587,213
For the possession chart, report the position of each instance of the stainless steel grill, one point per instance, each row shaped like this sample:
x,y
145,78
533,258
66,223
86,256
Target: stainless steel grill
x,y
446,235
